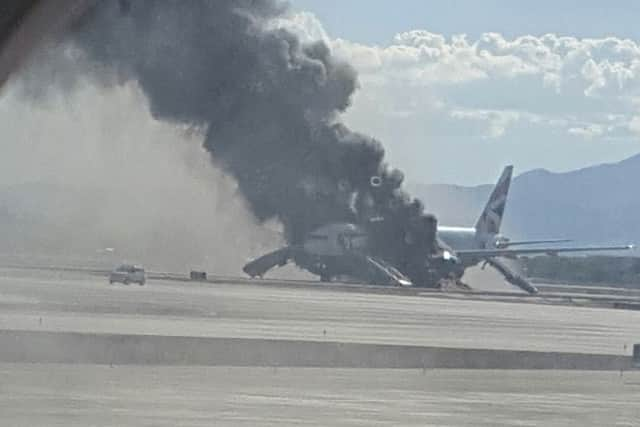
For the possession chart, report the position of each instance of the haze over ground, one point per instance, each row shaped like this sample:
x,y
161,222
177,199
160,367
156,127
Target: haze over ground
x,y
447,109
95,162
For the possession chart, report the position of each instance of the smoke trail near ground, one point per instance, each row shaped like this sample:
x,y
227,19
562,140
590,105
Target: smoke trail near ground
x,y
90,169
269,105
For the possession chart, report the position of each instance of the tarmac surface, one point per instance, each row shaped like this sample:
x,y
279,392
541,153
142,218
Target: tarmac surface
x,y
83,395
34,394
75,302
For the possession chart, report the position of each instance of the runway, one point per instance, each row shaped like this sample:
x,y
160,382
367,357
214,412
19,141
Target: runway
x,y
81,395
75,394
74,302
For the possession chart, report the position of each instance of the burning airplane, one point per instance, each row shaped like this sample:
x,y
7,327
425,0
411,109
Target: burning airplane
x,y
344,249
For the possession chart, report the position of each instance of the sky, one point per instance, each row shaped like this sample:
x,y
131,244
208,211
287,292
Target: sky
x,y
457,89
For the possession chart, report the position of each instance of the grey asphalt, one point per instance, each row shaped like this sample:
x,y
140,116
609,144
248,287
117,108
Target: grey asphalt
x,y
78,394
91,395
81,303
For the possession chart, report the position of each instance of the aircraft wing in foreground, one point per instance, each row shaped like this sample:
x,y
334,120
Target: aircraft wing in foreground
x,y
485,253
503,242
512,273
499,259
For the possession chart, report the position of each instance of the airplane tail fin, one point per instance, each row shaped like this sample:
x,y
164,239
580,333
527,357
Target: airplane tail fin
x,y
491,217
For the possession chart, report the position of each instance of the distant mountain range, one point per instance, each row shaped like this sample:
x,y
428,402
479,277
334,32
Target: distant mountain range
x,y
594,205
597,204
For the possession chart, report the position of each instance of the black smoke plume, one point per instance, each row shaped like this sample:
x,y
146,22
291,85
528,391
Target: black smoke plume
x,y
270,105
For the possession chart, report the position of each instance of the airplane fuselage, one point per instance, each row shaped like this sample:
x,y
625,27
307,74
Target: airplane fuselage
x,y
461,238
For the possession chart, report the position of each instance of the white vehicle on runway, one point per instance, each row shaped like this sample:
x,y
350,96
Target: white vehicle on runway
x,y
127,273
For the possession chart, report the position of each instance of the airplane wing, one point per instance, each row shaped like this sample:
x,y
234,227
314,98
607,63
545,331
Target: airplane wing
x,y
510,243
512,274
258,267
486,253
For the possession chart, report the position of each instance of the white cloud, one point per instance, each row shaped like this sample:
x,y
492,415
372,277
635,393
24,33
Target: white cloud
x,y
634,125
589,131
524,92
596,63
496,122
426,95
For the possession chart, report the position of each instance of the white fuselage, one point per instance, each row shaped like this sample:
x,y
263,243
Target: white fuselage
x,y
462,238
